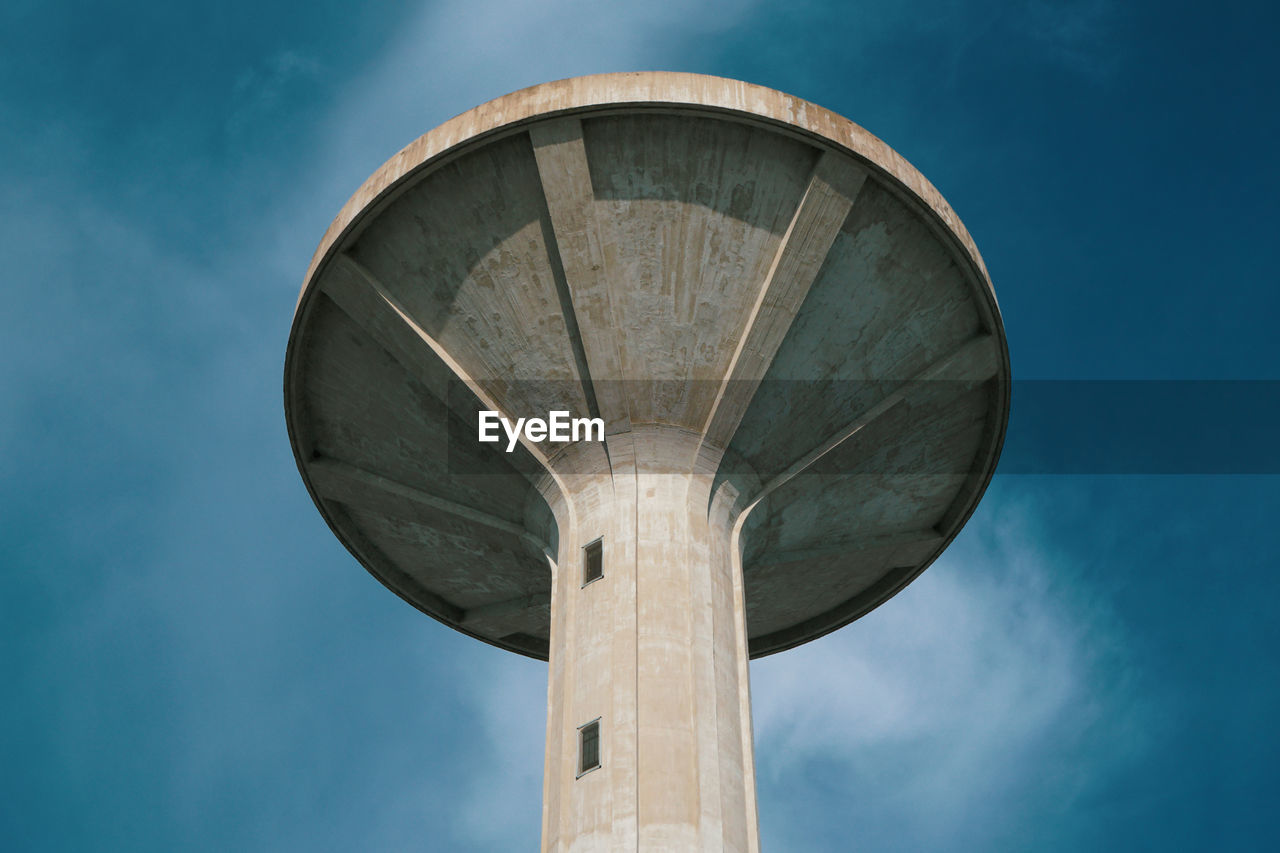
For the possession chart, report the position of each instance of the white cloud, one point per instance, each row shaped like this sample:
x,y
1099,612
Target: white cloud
x,y
501,804
952,703
258,91
456,55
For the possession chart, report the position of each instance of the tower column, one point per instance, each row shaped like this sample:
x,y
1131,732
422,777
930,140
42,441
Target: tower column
x,y
654,653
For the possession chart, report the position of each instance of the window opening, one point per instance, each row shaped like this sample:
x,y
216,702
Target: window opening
x,y
593,562
589,746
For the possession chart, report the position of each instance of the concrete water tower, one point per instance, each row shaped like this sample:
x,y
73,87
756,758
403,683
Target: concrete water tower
x,y
800,368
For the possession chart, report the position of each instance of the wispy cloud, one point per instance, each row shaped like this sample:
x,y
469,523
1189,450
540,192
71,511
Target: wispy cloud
x,y
501,804
258,90
1076,34
973,689
455,55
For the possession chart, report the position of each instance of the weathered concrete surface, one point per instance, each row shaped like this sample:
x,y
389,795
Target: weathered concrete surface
x,y
796,351
656,650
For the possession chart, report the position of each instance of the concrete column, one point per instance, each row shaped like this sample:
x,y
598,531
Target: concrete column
x,y
655,650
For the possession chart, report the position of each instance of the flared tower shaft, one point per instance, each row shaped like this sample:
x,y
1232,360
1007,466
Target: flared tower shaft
x,y
649,744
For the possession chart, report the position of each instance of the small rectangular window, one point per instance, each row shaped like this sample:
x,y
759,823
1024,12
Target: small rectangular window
x,y
593,562
589,747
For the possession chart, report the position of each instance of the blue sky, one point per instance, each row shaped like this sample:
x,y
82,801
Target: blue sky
x,y
191,661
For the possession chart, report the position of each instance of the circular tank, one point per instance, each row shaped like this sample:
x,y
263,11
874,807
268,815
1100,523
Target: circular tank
x,y
673,254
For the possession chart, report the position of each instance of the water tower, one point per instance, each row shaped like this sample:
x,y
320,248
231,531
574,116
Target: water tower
x,y
791,347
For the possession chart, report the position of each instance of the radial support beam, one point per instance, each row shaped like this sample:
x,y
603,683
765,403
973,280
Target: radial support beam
x,y
913,541
390,302
833,188
981,468
976,360
880,565
385,570
501,609
407,348
358,294
841,614
361,489
566,183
